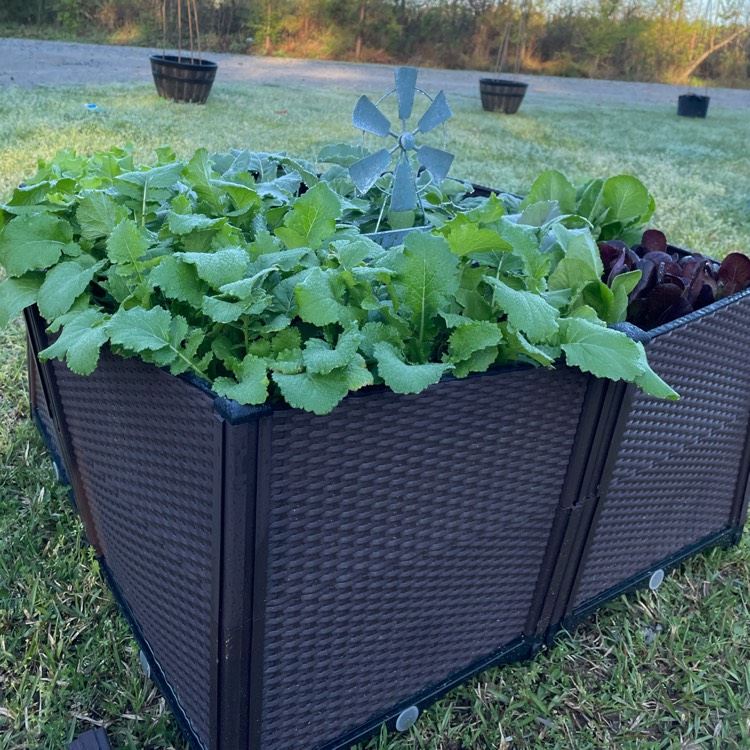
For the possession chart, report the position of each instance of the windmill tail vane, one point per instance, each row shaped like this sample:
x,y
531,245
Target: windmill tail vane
x,y
367,116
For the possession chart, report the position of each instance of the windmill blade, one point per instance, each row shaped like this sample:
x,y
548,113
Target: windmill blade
x,y
369,118
406,87
437,113
366,172
436,161
404,194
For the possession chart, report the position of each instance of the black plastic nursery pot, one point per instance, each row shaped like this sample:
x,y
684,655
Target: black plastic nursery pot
x,y
499,95
692,105
674,478
296,580
182,78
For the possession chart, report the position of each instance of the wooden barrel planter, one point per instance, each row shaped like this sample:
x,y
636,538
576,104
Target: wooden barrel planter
x,y
692,105
183,79
500,95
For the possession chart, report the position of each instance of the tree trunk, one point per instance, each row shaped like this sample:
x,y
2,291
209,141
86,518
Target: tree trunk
x,y
360,30
685,73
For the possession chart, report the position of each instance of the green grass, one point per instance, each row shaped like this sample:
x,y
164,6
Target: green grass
x,y
664,670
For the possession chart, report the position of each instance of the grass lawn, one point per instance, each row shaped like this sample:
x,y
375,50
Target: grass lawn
x,y
653,670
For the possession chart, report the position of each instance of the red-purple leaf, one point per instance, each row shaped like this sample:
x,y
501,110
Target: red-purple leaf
x,y
662,298
680,308
734,274
679,281
705,297
612,253
648,280
638,313
654,240
658,257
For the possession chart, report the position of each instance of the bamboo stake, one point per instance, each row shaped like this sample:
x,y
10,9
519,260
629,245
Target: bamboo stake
x,y
179,30
197,31
190,31
164,28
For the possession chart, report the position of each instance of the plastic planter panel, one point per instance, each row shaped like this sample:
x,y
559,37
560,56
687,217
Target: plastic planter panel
x,y
148,472
677,471
405,541
40,411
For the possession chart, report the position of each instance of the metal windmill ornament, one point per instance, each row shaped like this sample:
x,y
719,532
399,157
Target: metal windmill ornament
x,y
370,119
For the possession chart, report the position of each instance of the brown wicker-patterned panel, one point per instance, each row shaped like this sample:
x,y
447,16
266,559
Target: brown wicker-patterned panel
x,y
40,407
676,471
146,448
406,538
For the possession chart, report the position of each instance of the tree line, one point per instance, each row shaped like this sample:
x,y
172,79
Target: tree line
x,y
647,40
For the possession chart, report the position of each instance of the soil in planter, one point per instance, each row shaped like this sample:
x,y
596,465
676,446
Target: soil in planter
x,y
182,79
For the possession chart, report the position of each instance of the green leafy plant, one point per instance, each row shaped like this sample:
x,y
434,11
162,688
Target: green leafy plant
x,y
244,270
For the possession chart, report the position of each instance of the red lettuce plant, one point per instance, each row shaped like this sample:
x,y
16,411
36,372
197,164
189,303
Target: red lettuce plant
x,y
673,282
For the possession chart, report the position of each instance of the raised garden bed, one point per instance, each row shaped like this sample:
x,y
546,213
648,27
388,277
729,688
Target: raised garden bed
x,y
278,565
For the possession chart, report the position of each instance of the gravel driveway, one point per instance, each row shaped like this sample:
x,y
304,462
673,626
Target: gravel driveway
x,y
27,63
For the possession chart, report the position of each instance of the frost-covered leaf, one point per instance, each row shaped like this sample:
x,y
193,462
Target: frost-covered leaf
x,y
571,273
219,268
427,275
16,294
178,281
247,287
601,351
526,247
552,186
251,386
357,374
243,197
180,224
354,252
34,242
288,362
164,176
127,244
80,341
478,361
316,300
313,392
578,244
312,219
98,214
525,310
465,238
320,357
626,198
471,337
140,330
403,377
199,172
222,311
64,283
